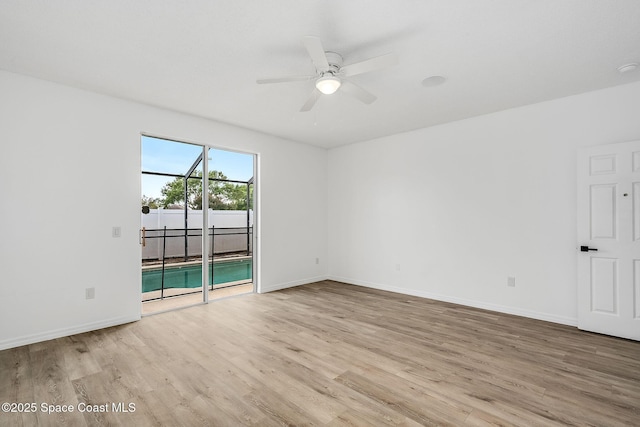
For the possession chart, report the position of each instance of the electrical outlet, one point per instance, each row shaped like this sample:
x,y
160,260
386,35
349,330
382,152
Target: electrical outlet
x,y
90,293
116,232
317,260
511,282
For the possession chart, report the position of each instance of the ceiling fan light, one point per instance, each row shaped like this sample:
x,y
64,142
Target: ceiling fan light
x,y
328,84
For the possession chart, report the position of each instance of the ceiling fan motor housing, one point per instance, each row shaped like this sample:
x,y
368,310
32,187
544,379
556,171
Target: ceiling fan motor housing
x,y
335,62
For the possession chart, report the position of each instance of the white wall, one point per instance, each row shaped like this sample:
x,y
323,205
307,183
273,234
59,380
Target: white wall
x,y
80,151
462,206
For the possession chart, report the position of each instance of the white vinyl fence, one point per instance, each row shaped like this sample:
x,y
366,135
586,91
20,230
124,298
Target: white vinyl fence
x,y
230,233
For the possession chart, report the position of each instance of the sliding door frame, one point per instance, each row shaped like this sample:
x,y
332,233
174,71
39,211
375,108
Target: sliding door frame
x,y
206,263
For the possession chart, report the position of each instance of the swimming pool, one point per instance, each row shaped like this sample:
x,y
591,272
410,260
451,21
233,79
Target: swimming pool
x,y
190,276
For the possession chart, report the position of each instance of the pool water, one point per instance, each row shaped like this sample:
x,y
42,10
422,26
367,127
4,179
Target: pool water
x,y
190,276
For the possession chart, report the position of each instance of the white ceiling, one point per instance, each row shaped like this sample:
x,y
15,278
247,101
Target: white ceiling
x,y
203,57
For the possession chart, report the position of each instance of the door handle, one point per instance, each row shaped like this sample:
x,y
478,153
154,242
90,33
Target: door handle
x,y
587,249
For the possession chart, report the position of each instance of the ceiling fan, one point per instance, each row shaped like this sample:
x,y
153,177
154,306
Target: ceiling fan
x,y
331,74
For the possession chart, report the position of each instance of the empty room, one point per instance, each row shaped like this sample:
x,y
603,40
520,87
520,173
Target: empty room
x,y
320,212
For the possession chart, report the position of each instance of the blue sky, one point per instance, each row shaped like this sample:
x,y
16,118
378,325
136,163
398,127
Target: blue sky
x,y
159,155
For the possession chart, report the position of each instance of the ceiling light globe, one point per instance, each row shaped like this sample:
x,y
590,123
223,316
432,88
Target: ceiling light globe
x,y
328,84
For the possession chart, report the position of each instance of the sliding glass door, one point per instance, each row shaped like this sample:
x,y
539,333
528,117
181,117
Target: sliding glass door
x,y
196,232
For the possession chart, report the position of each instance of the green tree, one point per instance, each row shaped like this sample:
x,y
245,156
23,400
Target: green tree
x,y
153,203
236,195
222,195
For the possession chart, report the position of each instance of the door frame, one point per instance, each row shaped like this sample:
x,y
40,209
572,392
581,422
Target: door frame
x,y
255,256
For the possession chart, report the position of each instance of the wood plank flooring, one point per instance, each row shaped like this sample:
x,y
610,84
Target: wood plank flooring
x,y
328,354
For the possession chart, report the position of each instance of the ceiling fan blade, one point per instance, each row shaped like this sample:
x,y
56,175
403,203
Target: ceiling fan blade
x,y
369,65
285,79
311,101
316,52
357,92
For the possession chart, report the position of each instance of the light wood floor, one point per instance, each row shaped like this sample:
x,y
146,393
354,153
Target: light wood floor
x,y
330,354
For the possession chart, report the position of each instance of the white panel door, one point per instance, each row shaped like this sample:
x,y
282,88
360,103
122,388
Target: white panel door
x,y
609,239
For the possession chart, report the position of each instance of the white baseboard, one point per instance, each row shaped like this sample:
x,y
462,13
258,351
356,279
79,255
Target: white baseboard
x,y
65,332
463,301
278,286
